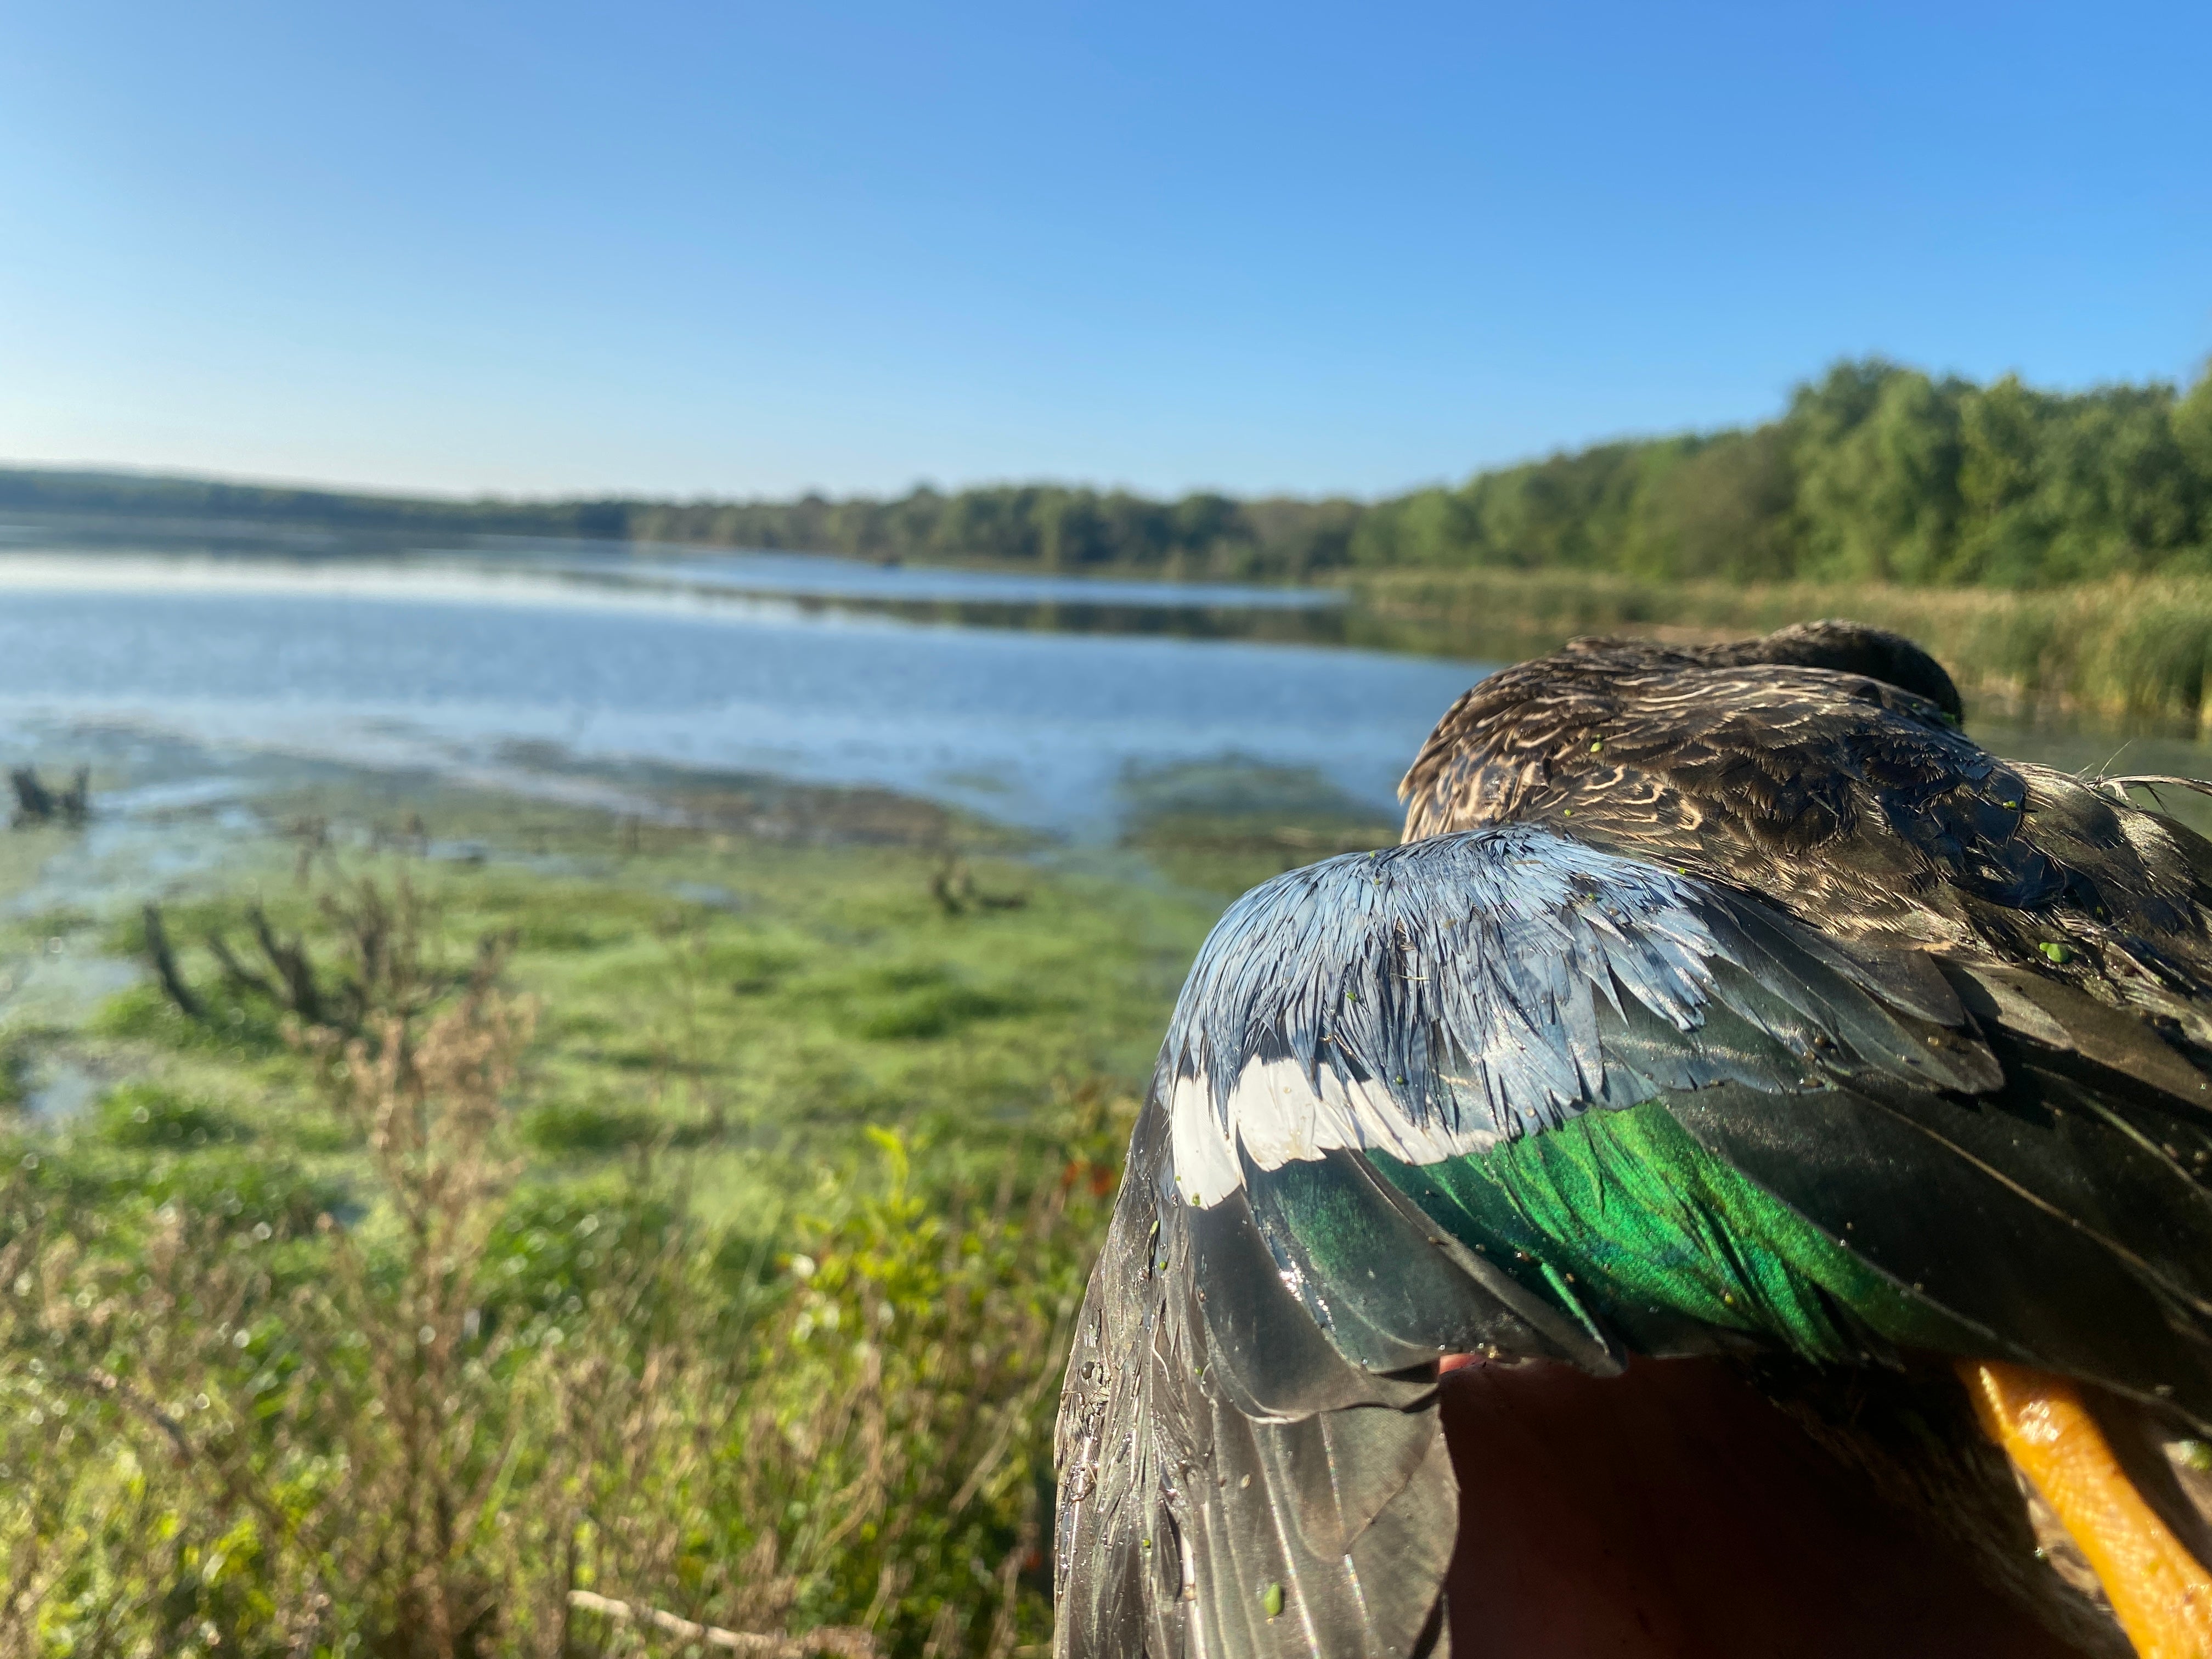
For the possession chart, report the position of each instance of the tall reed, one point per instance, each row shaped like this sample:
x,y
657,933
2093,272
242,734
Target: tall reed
x,y
2135,651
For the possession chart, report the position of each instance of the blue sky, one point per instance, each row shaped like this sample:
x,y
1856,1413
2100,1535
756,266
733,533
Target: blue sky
x,y
738,249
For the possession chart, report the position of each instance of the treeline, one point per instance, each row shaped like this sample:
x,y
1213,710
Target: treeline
x,y
1052,526
1875,472
203,502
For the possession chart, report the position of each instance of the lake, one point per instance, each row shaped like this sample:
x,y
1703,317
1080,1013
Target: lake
x,y
515,669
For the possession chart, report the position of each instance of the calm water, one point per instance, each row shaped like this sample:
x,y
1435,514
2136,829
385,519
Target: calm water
x,y
499,670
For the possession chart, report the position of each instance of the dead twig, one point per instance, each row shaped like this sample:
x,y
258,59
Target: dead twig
x,y
237,973
847,1640
291,963
165,966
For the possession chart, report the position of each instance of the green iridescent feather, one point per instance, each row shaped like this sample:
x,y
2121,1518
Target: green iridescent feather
x,y
1622,1215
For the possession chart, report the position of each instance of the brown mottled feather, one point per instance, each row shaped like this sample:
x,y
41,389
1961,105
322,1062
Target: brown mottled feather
x,y
1857,805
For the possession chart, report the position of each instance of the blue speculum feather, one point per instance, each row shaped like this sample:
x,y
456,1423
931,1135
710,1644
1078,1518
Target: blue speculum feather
x,y
1427,1001
1435,999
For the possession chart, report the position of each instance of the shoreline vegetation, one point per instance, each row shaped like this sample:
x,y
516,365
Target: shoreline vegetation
x,y
596,1234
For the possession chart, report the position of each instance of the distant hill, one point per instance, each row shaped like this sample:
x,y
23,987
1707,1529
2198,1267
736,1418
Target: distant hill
x,y
1873,472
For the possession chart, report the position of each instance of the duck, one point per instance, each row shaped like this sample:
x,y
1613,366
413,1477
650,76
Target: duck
x,y
1734,1178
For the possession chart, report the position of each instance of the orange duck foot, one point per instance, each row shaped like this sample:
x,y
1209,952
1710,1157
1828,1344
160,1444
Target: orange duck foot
x,y
2160,1592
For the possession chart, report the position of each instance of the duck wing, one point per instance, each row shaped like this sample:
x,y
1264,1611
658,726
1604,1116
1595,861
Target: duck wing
x,y
1502,1093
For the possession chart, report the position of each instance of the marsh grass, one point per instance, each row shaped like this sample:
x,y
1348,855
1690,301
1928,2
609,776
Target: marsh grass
x,y
2135,652
409,1400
